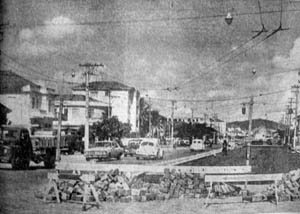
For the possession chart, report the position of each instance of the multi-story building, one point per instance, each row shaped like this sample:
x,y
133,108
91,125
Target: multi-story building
x,y
122,100
26,100
73,111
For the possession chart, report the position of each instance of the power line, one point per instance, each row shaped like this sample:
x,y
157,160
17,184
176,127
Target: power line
x,y
237,55
220,100
133,21
32,72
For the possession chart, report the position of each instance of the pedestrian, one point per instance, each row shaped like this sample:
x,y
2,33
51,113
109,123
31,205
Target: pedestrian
x,y
224,150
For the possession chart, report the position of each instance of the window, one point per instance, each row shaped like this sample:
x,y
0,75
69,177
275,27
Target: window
x,y
33,102
91,112
64,115
93,93
50,105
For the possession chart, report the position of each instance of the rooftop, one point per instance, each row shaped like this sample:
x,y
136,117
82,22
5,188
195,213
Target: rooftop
x,y
12,83
104,86
74,97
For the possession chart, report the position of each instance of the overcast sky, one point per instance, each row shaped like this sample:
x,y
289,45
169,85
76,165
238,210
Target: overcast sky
x,y
157,44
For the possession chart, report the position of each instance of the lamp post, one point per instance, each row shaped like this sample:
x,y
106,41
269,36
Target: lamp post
x,y
59,116
250,113
90,69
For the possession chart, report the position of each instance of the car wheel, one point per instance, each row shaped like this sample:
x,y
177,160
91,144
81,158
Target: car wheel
x,y
25,163
119,157
49,162
137,158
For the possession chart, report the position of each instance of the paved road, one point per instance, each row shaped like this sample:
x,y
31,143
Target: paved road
x,y
170,153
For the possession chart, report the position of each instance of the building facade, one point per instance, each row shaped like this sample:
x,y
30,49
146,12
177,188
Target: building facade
x,y
122,101
25,99
73,111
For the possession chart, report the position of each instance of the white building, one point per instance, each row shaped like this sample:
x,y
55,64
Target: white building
x,y
73,111
26,100
122,100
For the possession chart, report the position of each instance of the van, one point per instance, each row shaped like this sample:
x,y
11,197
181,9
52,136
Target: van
x,y
197,145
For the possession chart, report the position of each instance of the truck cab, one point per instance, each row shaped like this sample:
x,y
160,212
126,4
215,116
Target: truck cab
x,y
15,146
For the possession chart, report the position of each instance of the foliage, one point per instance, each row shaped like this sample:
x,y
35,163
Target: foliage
x,y
110,128
156,118
189,130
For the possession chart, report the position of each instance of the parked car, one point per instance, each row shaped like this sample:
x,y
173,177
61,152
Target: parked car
x,y
104,150
132,146
182,142
150,148
197,145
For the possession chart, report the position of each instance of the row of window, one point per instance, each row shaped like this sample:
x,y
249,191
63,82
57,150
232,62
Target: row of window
x,y
36,103
93,113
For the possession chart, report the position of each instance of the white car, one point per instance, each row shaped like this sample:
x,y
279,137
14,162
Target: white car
x,y
149,148
197,145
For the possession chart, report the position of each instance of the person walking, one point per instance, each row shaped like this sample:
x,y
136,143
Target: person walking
x,y
225,145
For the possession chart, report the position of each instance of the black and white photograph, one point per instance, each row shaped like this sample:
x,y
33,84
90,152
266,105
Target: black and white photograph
x,y
149,106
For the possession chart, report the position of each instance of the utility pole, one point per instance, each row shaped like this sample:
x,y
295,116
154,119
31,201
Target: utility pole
x,y
290,112
286,123
172,120
192,110
150,124
109,104
90,68
296,91
250,112
59,118
59,128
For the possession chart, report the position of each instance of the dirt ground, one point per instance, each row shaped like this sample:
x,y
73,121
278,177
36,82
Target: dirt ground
x,y
17,190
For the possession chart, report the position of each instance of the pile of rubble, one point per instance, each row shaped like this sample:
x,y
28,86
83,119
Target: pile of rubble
x,y
289,187
176,184
116,186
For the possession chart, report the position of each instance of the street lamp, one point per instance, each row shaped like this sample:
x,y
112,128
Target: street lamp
x,y
59,116
250,112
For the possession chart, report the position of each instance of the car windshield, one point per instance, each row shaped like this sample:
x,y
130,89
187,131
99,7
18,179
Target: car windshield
x,y
145,143
133,144
9,134
103,144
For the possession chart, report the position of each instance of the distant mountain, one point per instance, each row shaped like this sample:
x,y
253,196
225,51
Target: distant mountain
x,y
256,123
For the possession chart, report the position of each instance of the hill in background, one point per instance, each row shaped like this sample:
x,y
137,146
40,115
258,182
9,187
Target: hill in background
x,y
256,123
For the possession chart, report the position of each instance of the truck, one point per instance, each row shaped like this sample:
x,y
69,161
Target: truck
x,y
18,147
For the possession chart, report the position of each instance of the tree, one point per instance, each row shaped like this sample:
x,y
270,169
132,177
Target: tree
x,y
156,118
111,128
189,130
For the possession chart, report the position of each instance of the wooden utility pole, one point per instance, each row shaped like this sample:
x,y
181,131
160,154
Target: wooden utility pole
x,y
296,91
150,124
109,104
250,112
172,120
290,112
90,68
58,143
